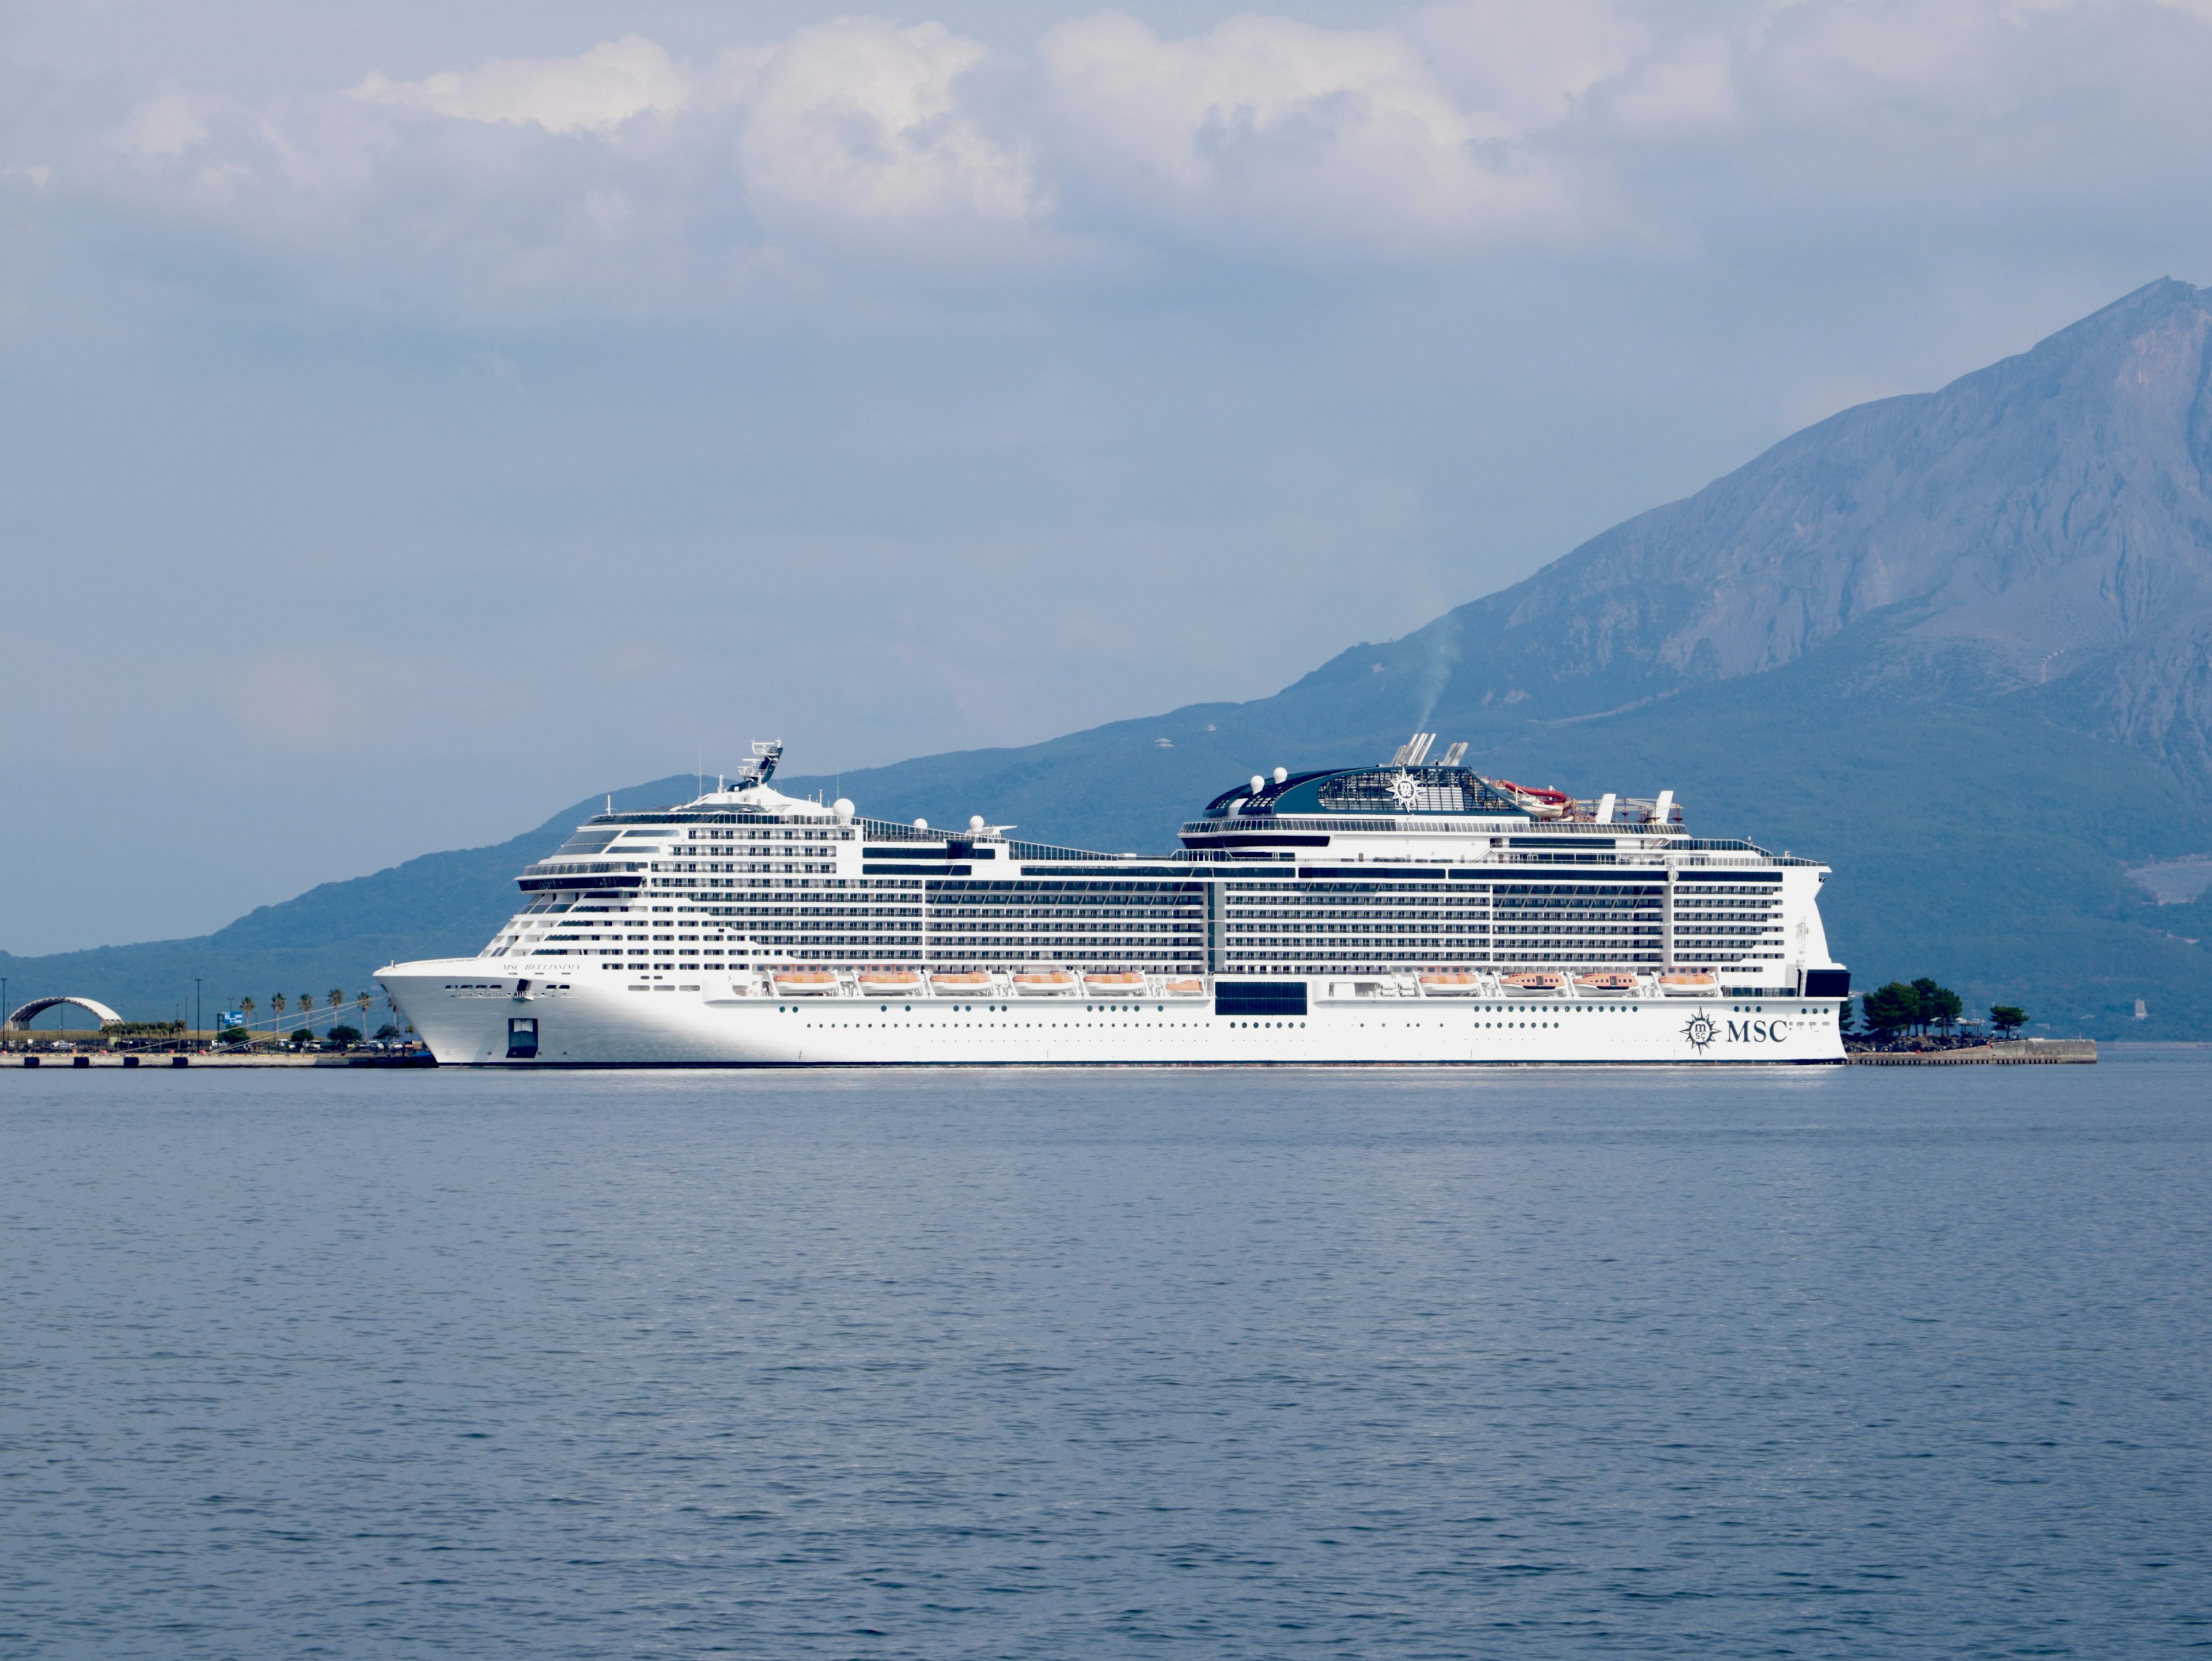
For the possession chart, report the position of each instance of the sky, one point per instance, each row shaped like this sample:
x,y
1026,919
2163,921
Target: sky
x,y
418,418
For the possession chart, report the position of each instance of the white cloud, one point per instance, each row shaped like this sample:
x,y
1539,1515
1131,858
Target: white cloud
x,y
614,83
861,119
1268,123
161,129
1464,127
1521,68
1690,88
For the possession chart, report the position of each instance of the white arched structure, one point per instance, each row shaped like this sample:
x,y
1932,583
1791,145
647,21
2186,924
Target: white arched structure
x,y
38,1006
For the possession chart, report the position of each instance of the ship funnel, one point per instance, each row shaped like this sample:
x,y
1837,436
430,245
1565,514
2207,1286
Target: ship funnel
x,y
1664,807
1604,808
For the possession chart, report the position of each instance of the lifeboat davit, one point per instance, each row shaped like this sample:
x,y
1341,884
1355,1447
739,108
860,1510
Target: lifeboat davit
x,y
1045,983
1184,989
1533,983
890,983
961,983
802,983
1450,983
1690,984
1605,986
1114,986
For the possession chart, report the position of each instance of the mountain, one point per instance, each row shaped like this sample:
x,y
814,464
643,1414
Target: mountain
x,y
333,935
1956,643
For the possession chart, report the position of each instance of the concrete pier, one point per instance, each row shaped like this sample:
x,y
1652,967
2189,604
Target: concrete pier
x,y
2028,1052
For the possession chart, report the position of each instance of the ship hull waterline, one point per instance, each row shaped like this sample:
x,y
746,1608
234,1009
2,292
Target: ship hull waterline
x,y
586,1025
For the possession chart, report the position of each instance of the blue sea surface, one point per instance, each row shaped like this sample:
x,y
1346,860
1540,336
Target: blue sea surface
x,y
1527,1363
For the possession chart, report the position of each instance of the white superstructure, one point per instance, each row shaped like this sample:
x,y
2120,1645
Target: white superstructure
x,y
1406,912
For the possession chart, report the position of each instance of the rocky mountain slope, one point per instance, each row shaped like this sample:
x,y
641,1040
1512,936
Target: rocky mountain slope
x,y
2045,520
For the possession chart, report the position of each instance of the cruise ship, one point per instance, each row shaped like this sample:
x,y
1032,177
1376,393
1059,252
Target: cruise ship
x,y
1406,912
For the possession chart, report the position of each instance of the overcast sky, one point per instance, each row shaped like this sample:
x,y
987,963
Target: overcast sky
x,y
418,417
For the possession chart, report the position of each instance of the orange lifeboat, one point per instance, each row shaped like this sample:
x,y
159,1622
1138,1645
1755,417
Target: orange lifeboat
x,y
1449,983
1533,983
1184,989
890,984
1690,984
1605,986
802,983
1114,986
961,983
1045,983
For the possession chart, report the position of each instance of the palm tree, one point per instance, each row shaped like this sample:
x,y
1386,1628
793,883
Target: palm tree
x,y
307,1004
336,999
246,1008
362,1001
276,1009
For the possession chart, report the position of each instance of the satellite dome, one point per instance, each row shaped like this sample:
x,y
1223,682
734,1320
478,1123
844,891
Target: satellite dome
x,y
921,825
975,822
843,807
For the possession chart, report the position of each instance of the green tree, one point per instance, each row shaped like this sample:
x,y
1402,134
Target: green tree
x,y
1890,1009
343,1037
2008,1019
1939,1005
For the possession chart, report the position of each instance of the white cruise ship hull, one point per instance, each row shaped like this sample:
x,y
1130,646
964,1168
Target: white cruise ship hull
x,y
471,1018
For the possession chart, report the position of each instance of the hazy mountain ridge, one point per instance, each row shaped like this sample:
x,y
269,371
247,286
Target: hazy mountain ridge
x,y
337,933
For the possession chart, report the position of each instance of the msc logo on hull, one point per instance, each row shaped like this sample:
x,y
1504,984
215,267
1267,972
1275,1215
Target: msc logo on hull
x,y
1704,1031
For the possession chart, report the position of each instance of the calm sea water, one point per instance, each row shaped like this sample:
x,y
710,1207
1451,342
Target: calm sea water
x,y
1865,1362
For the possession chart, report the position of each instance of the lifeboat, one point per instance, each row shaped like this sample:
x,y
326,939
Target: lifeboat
x,y
1690,984
1605,986
802,983
1533,983
1544,804
1450,983
1114,986
1045,983
961,983
890,984
1192,987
